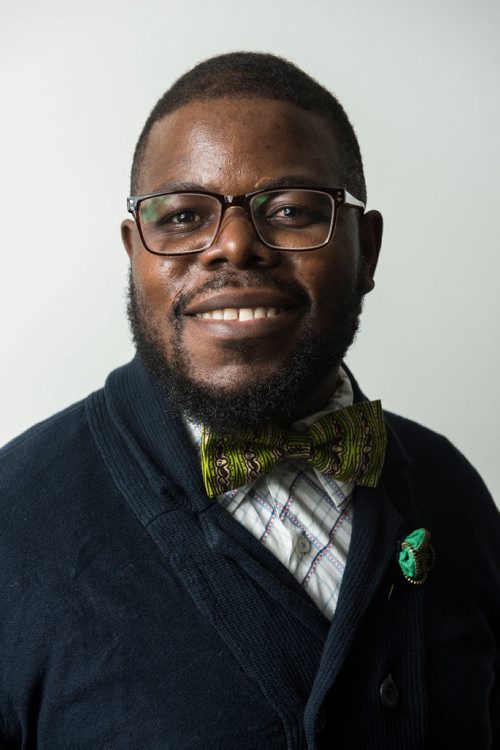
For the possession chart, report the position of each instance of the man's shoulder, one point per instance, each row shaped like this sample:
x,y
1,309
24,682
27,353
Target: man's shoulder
x,y
417,435
53,442
47,433
421,442
439,472
428,453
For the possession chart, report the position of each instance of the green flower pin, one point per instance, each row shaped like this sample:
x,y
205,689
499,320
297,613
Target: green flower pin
x,y
416,556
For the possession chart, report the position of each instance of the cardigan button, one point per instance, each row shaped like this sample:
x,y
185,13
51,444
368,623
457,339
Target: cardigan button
x,y
389,694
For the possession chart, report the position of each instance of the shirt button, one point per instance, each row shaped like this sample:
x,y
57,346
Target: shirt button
x,y
303,545
389,694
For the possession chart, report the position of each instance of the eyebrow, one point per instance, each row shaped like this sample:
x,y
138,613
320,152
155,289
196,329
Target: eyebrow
x,y
285,181
171,187
293,181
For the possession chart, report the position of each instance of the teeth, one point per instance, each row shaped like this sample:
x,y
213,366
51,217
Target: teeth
x,y
246,313
242,313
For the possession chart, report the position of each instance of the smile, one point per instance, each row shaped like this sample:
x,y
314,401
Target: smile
x,y
240,313
241,304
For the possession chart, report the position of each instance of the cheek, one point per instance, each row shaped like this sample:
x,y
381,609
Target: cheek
x,y
156,283
330,282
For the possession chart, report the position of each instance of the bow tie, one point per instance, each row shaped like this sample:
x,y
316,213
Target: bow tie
x,y
348,444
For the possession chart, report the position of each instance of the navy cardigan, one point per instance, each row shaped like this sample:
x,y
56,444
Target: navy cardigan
x,y
136,613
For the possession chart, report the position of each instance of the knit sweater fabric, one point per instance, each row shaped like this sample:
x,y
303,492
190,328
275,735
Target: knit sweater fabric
x,y
135,612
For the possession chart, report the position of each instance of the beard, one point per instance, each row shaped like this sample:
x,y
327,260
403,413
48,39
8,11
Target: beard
x,y
281,397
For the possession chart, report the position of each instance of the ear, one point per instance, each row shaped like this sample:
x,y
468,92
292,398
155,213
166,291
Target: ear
x,y
370,234
128,231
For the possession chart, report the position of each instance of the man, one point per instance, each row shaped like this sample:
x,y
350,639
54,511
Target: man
x,y
229,546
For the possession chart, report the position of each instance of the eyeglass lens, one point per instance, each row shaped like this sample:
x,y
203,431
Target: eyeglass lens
x,y
291,219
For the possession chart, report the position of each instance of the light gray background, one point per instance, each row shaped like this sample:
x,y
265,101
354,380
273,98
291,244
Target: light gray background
x,y
420,83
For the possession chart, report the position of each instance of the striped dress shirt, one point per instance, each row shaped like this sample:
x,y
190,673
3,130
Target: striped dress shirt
x,y
303,517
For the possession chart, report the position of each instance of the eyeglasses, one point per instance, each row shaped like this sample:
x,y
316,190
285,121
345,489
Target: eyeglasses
x,y
291,218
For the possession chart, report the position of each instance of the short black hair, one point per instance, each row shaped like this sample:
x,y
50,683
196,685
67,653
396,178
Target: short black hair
x,y
266,76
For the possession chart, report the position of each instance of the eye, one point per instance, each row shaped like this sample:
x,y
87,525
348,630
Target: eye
x,y
179,222
179,212
182,217
292,209
292,212
294,215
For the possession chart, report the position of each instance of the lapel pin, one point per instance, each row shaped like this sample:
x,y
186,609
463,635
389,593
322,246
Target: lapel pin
x,y
416,556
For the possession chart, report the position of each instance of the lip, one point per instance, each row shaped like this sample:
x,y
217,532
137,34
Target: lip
x,y
244,329
241,298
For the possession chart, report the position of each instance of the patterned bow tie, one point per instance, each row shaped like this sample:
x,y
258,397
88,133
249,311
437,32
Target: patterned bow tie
x,y
348,444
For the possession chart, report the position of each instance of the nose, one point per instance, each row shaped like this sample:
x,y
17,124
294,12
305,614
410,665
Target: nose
x,y
238,243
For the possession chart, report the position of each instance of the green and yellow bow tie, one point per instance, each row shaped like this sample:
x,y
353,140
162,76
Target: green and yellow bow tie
x,y
348,445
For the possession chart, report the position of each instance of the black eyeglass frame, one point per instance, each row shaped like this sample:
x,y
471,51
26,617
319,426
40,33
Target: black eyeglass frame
x,y
339,196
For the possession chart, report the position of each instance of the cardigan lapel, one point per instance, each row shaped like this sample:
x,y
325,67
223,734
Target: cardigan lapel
x,y
148,453
376,529
146,448
381,519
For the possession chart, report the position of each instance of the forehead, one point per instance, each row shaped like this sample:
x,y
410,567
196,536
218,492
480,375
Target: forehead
x,y
235,146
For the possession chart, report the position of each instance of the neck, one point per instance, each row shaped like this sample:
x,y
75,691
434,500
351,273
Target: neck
x,y
315,401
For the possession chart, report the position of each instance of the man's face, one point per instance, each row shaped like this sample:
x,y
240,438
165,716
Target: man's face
x,y
310,299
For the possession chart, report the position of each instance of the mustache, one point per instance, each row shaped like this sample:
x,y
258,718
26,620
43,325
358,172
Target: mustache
x,y
242,280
